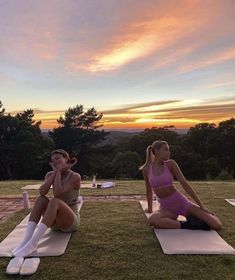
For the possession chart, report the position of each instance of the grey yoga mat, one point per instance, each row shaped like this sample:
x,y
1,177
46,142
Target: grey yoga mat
x,y
185,241
52,243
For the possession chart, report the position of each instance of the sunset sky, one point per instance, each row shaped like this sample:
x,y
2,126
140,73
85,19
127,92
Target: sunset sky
x,y
140,63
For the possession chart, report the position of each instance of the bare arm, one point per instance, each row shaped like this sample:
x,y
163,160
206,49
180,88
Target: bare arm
x,y
180,177
49,178
149,191
59,189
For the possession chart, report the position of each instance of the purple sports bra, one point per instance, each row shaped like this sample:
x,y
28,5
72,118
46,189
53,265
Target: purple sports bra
x,y
166,179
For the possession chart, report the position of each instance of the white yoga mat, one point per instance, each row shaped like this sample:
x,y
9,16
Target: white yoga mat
x,y
105,185
52,243
31,187
185,241
83,186
231,201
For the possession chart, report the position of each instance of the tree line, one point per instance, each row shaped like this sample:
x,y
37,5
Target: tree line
x,y
205,152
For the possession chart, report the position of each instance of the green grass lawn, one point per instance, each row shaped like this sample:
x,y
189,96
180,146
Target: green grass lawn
x,y
126,187
122,187
115,241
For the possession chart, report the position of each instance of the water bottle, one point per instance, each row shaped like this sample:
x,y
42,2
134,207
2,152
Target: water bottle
x,y
80,199
94,182
26,200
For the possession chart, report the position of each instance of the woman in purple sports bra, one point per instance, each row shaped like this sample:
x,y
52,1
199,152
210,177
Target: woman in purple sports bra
x,y
159,172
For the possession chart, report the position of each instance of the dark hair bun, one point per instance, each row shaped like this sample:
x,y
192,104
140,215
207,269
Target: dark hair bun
x,y
72,160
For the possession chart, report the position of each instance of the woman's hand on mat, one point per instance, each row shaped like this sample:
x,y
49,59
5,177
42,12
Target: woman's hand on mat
x,y
204,208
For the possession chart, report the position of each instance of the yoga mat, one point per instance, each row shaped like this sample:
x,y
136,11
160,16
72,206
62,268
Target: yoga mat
x,y
31,187
231,201
52,243
105,185
185,241
83,186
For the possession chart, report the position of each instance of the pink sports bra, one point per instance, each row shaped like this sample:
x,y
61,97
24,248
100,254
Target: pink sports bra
x,y
166,179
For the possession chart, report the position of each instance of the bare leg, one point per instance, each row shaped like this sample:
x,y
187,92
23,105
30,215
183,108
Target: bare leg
x,y
58,211
212,220
164,218
38,209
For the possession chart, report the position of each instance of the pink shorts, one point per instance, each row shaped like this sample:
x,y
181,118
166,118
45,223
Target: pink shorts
x,y
176,203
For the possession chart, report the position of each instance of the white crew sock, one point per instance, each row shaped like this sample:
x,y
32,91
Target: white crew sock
x,y
32,244
27,235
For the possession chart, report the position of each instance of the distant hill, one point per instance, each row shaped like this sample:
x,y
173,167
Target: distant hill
x,y
115,135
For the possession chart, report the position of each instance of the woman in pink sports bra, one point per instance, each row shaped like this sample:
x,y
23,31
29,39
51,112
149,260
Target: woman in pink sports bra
x,y
159,172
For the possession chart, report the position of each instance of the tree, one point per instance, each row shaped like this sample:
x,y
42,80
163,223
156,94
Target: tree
x,y
78,133
212,168
138,143
126,165
1,110
22,146
201,138
76,118
225,145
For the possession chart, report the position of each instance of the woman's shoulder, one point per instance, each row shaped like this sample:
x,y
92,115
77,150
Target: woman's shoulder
x,y
76,179
48,174
76,175
146,168
170,163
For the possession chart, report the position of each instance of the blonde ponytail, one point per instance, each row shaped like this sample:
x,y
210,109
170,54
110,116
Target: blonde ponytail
x,y
149,157
150,152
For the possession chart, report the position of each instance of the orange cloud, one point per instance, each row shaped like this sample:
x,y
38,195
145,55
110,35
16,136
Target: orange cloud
x,y
174,56
219,57
181,114
155,28
150,36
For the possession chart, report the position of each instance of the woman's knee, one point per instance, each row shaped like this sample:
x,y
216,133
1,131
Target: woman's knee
x,y
41,200
53,202
213,221
154,219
